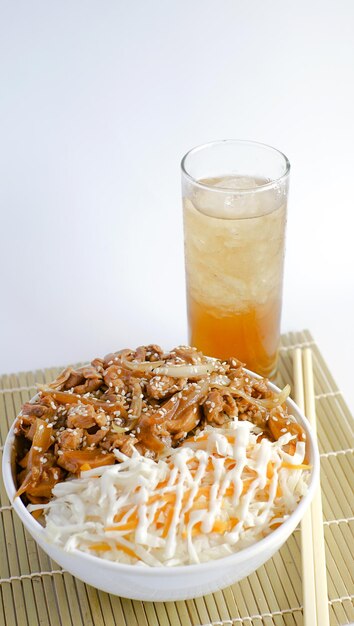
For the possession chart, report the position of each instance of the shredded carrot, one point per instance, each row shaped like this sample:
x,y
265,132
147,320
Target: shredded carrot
x,y
168,522
270,470
250,471
233,521
197,506
167,497
127,550
104,547
196,530
275,525
301,466
202,491
246,485
220,526
210,466
127,526
100,547
161,485
195,439
159,511
119,516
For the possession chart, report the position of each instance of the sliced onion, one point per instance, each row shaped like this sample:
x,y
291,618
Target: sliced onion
x,y
144,366
265,403
277,400
283,395
137,402
185,371
119,429
243,394
200,391
220,381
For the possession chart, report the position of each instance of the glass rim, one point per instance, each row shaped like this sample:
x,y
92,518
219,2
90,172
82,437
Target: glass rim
x,y
231,190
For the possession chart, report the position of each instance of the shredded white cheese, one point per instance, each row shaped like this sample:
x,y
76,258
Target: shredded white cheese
x,y
219,492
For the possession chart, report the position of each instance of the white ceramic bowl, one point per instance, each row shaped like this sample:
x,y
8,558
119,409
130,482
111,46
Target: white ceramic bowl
x,y
163,583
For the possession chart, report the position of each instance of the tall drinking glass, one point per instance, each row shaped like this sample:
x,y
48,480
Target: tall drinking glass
x,y
234,202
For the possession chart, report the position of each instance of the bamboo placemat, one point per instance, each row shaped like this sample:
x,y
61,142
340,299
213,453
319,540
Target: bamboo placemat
x,y
35,590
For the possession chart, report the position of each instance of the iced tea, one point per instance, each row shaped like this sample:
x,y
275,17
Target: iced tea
x,y
234,248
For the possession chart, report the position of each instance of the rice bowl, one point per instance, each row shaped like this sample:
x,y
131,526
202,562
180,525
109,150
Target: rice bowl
x,y
132,579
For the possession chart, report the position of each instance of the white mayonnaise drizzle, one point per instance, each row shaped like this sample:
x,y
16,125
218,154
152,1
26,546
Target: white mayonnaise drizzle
x,y
220,491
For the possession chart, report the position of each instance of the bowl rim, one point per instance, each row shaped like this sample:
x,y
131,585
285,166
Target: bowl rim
x,y
279,535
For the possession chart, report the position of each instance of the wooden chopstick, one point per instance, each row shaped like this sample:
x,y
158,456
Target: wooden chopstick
x,y
314,580
307,555
316,506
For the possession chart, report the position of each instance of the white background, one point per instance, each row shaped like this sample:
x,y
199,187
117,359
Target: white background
x,y
99,101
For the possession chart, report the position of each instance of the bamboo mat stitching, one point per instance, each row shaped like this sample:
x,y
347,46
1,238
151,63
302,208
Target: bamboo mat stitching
x,y
302,344
33,575
253,617
270,615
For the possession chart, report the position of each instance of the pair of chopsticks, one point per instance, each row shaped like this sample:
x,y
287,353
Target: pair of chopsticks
x,y
314,580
